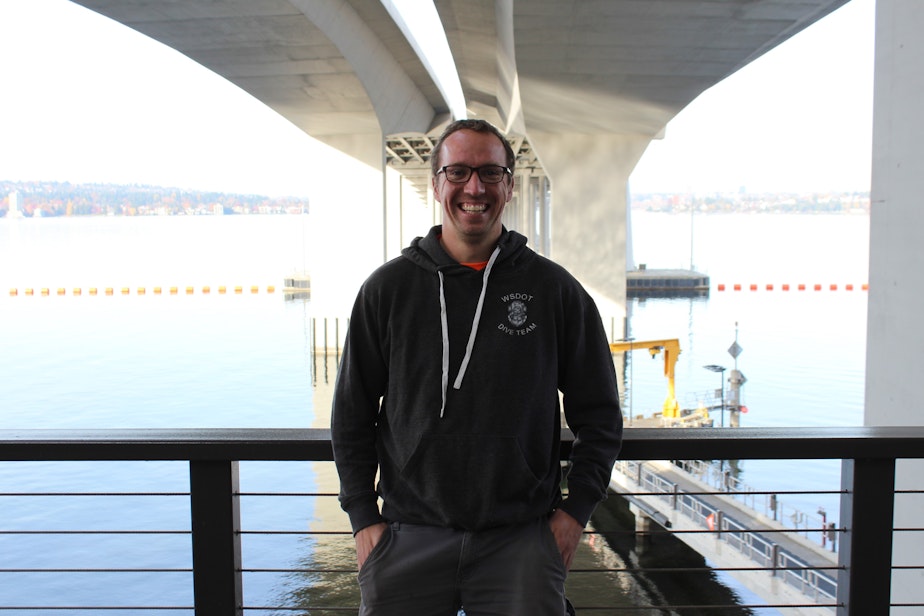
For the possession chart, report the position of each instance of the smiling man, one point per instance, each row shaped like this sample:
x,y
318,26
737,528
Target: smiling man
x,y
449,391
473,187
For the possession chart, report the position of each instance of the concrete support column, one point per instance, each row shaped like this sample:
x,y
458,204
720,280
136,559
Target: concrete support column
x,y
895,330
642,524
589,175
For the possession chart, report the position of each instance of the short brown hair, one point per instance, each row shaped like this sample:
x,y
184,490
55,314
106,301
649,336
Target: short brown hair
x,y
479,126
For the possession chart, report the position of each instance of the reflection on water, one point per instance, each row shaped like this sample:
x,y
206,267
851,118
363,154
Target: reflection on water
x,y
325,579
618,543
598,580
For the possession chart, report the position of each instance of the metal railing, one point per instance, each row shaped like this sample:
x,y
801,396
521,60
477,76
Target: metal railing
x,y
767,503
864,567
816,582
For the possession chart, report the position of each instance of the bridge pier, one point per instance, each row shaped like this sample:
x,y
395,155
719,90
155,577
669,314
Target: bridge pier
x,y
589,174
642,523
643,528
895,334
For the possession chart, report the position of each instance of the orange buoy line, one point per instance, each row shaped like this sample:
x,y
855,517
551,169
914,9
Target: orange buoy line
x,y
799,287
189,290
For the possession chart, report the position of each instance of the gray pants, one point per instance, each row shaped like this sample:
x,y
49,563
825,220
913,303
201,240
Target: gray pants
x,y
432,571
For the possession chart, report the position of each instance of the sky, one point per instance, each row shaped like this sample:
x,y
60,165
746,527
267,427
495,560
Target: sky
x,y
83,99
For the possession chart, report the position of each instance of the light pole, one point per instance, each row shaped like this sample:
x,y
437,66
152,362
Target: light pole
x,y
721,371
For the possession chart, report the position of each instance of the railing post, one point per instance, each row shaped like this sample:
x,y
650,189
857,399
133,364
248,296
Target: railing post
x,y
216,550
864,582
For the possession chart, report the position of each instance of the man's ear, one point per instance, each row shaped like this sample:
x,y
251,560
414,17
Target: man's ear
x,y
434,185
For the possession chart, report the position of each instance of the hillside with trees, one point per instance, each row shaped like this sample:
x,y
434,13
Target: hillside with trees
x,y
66,199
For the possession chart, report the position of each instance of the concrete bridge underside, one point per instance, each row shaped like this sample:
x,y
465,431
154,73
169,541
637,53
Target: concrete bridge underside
x,y
585,84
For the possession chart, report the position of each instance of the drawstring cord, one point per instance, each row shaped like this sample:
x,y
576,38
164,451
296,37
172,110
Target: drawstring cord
x,y
445,330
471,337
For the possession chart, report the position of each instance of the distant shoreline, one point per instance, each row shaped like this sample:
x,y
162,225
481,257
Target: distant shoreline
x,y
743,203
54,199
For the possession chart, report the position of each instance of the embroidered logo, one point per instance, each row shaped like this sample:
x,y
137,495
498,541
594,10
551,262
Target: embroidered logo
x,y
518,323
516,313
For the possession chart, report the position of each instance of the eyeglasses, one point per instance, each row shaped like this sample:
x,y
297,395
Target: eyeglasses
x,y
489,174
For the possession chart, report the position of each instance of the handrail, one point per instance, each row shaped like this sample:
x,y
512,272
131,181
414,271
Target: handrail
x,y
884,442
869,457
706,471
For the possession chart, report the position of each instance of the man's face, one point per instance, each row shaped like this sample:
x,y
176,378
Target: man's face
x,y
472,210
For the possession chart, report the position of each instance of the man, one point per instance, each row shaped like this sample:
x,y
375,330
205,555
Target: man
x,y
449,389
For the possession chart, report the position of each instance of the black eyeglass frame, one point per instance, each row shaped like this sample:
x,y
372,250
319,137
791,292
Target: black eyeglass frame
x,y
471,170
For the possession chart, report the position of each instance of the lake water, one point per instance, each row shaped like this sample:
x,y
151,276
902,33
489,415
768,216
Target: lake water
x,y
244,360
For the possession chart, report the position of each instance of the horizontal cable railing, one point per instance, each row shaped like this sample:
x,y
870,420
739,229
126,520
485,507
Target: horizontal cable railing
x,y
212,545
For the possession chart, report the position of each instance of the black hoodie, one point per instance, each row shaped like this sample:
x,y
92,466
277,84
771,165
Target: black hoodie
x,y
449,387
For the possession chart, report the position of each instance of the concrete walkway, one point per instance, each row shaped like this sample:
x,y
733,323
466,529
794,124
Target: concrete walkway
x,y
749,540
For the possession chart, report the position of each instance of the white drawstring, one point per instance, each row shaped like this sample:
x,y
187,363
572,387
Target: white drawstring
x,y
445,330
471,337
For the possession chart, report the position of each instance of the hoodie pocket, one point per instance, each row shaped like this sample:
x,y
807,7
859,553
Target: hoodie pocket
x,y
471,480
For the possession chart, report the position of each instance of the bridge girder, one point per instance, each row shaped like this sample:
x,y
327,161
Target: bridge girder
x,y
343,67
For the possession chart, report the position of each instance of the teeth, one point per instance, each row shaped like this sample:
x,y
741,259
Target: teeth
x,y
469,207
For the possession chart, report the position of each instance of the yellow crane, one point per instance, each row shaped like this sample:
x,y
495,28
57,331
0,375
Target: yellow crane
x,y
671,349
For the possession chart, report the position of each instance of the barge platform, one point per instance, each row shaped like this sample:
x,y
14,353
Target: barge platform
x,y
644,282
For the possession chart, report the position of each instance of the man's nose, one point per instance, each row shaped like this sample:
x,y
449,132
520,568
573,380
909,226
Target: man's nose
x,y
474,183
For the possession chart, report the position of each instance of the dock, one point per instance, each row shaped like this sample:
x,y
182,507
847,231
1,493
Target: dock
x,y
645,282
297,287
769,558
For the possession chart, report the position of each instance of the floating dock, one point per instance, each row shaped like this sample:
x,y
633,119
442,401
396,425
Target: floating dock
x,y
297,287
644,282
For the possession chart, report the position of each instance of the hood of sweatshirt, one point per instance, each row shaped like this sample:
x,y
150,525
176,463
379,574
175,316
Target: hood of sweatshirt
x,y
427,253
